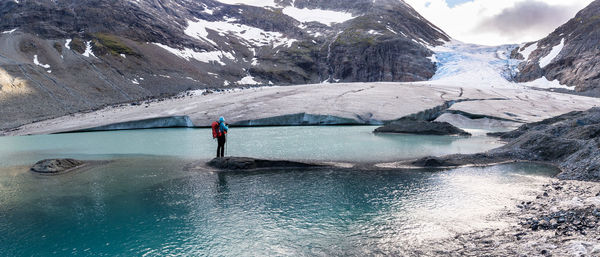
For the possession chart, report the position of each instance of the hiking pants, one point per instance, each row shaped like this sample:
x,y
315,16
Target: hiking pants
x,y
221,146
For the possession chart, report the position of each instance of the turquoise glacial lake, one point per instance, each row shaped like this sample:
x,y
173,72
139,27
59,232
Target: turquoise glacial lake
x,y
144,202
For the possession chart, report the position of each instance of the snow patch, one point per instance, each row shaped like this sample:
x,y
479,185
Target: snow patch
x,y
37,62
528,50
123,55
207,10
545,84
134,81
433,59
326,17
553,54
391,30
9,31
88,49
248,80
206,57
258,3
68,44
250,36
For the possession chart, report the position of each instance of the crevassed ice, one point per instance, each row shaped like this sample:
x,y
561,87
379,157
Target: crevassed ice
x,y
206,57
251,36
469,65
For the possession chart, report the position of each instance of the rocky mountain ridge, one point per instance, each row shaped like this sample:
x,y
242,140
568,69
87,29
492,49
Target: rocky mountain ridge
x,y
65,56
569,54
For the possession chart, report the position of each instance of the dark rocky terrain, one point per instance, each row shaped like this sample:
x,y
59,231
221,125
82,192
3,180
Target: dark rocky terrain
x,y
244,163
571,141
578,63
54,166
421,127
66,56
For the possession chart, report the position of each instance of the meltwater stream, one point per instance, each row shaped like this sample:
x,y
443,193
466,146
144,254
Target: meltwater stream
x,y
145,203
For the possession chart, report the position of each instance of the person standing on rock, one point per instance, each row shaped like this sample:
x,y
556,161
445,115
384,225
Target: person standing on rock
x,y
219,130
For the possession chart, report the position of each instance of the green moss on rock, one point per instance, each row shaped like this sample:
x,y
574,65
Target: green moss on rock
x,y
107,43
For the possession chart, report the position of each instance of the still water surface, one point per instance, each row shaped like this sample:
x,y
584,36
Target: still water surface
x,y
145,203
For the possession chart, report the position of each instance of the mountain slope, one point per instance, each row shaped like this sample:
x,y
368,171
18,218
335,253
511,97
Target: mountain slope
x,y
569,54
64,56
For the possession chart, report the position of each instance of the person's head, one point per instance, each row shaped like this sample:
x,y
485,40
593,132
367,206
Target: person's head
x,y
221,119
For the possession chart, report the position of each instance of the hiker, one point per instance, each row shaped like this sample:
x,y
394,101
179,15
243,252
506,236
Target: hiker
x,y
219,130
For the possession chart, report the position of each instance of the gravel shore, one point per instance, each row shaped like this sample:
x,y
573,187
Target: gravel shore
x,y
563,220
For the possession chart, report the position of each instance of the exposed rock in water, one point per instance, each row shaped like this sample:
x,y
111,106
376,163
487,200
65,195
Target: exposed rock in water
x,y
52,166
244,163
420,127
571,141
433,162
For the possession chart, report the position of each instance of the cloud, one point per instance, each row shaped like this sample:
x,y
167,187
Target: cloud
x,y
526,18
495,22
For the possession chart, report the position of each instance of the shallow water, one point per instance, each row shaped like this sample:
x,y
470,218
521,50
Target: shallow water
x,y
338,143
153,207
146,203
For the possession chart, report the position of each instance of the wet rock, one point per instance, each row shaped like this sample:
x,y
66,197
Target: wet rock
x,y
53,166
420,127
433,162
570,141
243,163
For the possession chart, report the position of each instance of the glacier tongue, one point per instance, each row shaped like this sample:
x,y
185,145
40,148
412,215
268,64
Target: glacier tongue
x,y
477,66
470,65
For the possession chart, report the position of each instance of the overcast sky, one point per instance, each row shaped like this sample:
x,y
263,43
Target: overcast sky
x,y
495,22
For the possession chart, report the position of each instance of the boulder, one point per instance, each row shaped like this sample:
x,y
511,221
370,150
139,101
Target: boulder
x,y
420,127
53,166
433,162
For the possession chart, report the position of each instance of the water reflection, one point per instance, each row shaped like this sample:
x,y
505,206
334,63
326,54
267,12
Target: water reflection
x,y
154,206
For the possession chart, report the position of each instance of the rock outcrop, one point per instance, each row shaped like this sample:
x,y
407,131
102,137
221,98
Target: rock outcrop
x,y
421,127
571,141
54,166
244,163
569,54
